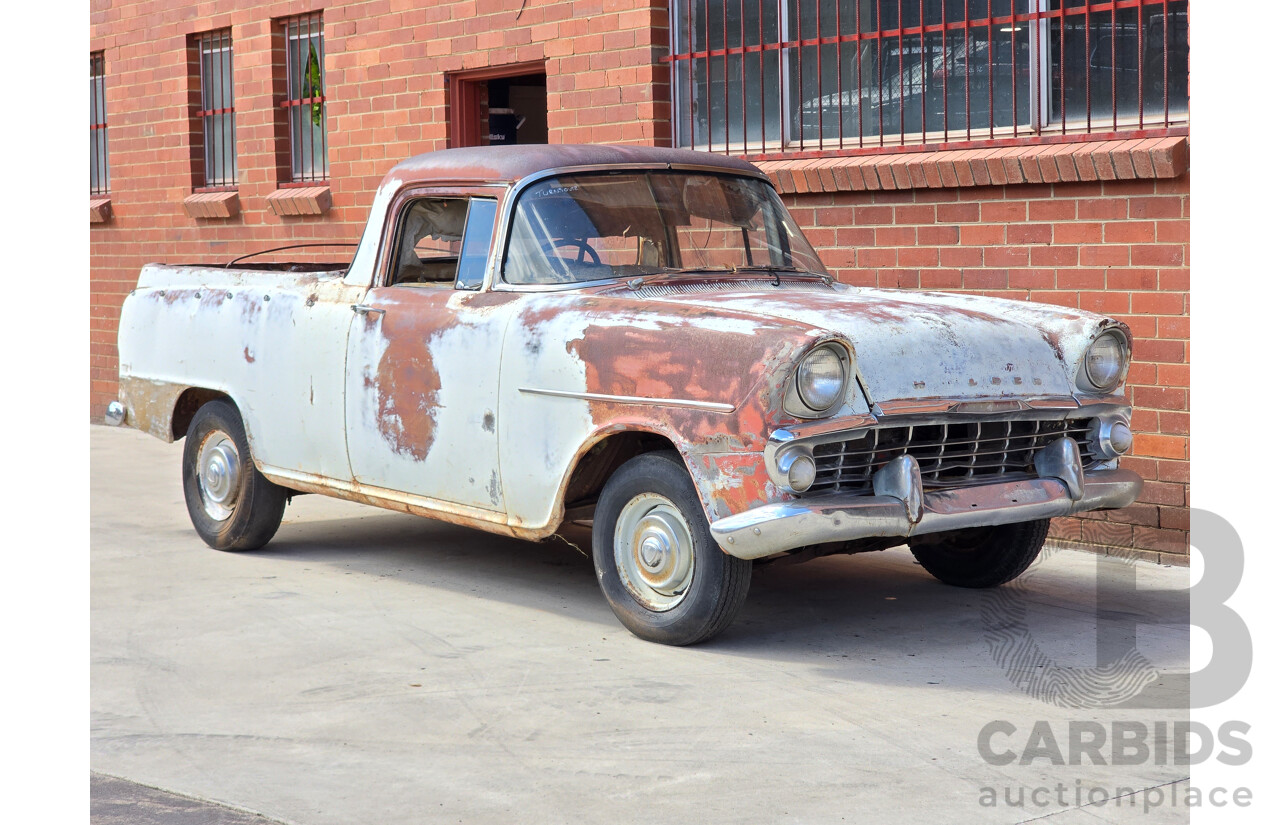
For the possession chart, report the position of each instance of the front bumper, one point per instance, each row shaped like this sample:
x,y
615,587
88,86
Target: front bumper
x,y
901,507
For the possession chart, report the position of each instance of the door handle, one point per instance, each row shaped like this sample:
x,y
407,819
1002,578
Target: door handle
x,y
365,309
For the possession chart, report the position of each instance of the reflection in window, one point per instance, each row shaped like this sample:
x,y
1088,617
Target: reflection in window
x,y
761,74
580,228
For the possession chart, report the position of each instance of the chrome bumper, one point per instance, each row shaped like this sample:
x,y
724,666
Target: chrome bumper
x,y
900,507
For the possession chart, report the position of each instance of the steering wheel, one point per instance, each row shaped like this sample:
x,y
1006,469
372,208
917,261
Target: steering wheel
x,y
584,248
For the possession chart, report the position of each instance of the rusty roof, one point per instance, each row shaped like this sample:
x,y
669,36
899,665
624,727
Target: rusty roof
x,y
512,163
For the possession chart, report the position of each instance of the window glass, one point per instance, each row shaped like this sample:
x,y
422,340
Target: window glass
x,y
429,237
99,178
760,75
476,240
304,65
217,109
579,228
1104,63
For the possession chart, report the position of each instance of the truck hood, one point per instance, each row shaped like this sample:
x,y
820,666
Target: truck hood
x,y
918,345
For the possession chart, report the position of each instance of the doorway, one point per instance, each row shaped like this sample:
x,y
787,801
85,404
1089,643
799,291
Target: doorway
x,y
498,106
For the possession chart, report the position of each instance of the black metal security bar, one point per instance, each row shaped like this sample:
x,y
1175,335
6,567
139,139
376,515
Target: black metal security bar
x,y
217,108
305,103
99,173
799,75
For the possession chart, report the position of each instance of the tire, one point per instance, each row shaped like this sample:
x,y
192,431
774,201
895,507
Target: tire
x,y
232,506
681,588
981,556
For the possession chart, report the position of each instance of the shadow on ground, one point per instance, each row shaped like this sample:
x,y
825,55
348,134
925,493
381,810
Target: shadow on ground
x,y
873,607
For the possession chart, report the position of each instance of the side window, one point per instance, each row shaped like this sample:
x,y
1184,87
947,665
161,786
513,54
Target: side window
x,y
476,240
428,241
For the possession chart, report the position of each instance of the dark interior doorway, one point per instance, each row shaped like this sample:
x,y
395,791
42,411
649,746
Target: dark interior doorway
x,y
518,108
502,105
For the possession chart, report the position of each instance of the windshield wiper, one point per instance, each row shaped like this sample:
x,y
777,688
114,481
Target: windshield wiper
x,y
775,271
666,271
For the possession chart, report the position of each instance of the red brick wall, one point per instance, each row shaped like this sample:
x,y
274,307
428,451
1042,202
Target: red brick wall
x,y
1115,247
1118,247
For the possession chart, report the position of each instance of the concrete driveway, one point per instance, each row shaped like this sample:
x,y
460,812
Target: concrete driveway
x,y
372,667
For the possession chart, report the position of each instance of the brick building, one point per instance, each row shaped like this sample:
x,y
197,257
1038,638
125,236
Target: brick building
x,y
1032,149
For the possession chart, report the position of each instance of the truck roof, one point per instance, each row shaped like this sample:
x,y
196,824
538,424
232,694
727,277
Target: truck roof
x,y
508,164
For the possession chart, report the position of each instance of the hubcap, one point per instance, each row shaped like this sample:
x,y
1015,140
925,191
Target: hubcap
x,y
653,550
218,471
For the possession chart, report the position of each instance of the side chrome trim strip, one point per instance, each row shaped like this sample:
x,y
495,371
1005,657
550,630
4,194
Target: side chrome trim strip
x,y
632,399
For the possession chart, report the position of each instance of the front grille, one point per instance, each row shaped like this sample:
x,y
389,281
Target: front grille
x,y
950,454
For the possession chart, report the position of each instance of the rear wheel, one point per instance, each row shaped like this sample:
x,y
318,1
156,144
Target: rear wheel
x,y
663,575
232,506
981,556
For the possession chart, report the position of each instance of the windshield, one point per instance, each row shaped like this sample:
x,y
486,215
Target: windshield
x,y
591,227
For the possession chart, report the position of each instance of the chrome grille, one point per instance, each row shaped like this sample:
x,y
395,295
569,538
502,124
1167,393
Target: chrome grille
x,y
950,454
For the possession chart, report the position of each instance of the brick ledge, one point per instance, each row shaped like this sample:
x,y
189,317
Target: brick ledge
x,y
99,210
299,201
1050,163
212,205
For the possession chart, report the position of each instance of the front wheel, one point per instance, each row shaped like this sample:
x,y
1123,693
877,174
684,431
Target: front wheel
x,y
663,575
981,556
232,506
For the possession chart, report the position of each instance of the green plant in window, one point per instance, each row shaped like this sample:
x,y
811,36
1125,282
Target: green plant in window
x,y
312,86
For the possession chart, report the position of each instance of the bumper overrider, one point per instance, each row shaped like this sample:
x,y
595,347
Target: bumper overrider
x,y
900,506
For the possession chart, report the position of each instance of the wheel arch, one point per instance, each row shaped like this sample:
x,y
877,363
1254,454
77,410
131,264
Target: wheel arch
x,y
189,402
601,456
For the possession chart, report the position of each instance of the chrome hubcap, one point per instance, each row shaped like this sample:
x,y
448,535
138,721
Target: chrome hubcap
x,y
653,550
218,471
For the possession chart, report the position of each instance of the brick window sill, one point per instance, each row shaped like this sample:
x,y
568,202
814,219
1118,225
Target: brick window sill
x,y
212,205
99,209
1050,163
300,201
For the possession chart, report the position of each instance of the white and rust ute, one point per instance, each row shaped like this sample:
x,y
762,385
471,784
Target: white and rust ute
x,y
641,340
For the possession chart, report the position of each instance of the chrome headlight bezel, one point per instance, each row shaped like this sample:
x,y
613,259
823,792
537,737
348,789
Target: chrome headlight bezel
x,y
1085,377
807,401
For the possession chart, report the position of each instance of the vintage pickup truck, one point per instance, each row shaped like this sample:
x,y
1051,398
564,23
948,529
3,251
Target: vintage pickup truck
x,y
637,338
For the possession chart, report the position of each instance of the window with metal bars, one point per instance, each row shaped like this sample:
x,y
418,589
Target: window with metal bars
x,y
99,173
304,98
217,112
799,75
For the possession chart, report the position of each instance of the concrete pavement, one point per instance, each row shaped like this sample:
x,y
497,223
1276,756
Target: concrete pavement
x,y
373,667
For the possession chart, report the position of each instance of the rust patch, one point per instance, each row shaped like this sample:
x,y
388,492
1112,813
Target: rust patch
x,y
408,384
484,300
149,405
1054,339
248,356
734,483
670,358
494,489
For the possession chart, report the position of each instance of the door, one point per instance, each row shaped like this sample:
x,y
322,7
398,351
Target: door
x,y
423,358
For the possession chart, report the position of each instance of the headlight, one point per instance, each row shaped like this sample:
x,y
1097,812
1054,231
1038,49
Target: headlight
x,y
1104,363
820,380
